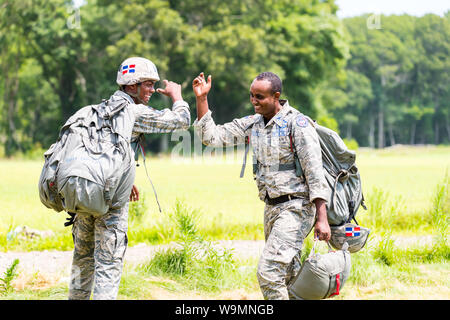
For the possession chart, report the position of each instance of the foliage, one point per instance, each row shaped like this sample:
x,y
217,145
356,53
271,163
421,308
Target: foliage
x,y
196,260
393,92
441,210
9,275
57,58
138,209
352,144
381,86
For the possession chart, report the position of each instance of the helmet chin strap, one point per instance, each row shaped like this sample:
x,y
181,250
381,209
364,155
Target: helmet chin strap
x,y
137,95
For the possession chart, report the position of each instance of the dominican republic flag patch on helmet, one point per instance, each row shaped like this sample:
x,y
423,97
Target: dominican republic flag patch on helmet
x,y
352,231
128,68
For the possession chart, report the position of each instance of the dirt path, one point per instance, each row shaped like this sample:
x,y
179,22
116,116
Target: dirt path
x,y
59,262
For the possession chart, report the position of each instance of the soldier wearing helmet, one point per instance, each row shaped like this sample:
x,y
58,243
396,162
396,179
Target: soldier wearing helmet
x,y
100,243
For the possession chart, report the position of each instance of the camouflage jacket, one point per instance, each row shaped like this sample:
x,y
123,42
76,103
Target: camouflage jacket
x,y
272,150
150,120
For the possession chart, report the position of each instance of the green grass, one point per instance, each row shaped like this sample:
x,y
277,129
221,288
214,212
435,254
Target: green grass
x,y
399,185
195,263
408,174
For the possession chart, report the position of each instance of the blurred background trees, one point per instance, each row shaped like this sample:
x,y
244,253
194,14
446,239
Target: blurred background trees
x,y
377,86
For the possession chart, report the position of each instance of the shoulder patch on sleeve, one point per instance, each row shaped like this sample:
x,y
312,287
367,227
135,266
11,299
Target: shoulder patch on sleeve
x,y
301,121
248,121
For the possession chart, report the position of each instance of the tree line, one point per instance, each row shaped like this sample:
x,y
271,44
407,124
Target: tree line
x,y
378,86
397,81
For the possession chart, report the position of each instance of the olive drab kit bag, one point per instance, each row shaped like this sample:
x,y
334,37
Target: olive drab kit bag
x,y
345,190
90,168
322,276
342,176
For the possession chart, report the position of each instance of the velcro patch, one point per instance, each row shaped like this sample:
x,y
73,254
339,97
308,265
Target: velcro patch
x,y
301,121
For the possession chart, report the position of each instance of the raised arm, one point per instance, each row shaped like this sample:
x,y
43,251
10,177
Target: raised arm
x,y
201,89
228,134
149,120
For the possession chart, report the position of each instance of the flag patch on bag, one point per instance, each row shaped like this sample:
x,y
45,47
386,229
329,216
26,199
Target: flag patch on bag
x,y
128,68
352,231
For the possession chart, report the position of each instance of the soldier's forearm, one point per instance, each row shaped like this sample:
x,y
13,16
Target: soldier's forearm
x,y
321,209
202,106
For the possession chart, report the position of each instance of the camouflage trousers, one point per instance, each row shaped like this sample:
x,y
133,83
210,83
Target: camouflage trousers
x,y
286,225
99,250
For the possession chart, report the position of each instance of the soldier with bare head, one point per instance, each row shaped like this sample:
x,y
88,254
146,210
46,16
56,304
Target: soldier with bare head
x,y
295,203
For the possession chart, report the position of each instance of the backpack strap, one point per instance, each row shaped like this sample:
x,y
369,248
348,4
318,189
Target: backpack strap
x,y
139,145
146,172
247,147
298,166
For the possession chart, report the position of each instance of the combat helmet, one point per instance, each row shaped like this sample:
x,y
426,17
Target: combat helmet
x,y
355,235
136,70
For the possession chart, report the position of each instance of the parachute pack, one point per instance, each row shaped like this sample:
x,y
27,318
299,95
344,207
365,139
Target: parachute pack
x,y
342,175
322,276
90,168
345,191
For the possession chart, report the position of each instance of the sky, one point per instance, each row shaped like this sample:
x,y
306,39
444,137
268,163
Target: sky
x,y
349,8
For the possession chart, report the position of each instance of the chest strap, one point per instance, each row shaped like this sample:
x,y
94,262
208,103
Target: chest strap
x,y
274,167
279,167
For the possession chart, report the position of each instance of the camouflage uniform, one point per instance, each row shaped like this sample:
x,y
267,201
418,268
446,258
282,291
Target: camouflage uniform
x,y
286,224
100,243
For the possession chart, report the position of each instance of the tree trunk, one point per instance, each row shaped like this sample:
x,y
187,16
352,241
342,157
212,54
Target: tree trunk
x,y
372,132
436,132
349,131
447,126
67,93
11,88
380,129
413,133
391,134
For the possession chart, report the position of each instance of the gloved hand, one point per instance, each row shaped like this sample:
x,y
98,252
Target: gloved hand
x,y
70,220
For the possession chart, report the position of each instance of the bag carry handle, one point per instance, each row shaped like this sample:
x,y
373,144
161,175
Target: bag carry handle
x,y
313,250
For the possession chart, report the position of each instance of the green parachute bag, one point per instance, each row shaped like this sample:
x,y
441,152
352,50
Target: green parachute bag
x,y
345,190
322,276
90,168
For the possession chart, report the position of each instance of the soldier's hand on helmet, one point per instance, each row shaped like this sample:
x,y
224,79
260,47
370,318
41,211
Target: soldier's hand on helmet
x,y
134,196
201,86
172,90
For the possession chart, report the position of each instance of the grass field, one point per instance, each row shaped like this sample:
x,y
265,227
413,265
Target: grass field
x,y
406,176
406,191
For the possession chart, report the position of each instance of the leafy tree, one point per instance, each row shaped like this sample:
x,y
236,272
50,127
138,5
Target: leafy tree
x,y
380,86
